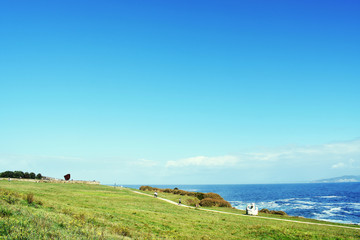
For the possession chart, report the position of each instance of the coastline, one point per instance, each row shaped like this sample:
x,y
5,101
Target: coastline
x,y
319,201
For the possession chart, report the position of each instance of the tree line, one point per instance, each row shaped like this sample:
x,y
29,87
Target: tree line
x,y
20,174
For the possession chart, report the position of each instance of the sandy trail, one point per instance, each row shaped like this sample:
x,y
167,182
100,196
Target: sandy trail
x,y
243,215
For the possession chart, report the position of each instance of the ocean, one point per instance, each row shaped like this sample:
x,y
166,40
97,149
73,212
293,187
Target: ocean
x,y
334,202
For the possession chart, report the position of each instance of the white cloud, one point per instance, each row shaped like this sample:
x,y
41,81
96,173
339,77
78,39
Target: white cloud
x,y
333,150
334,154
267,156
342,147
204,161
350,164
338,165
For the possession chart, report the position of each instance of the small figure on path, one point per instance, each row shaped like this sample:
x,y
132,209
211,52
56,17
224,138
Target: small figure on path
x,y
155,194
179,201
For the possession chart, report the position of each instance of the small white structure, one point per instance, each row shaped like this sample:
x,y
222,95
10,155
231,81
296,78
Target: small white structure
x,y
252,209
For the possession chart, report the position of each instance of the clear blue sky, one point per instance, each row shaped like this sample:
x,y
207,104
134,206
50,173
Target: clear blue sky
x,y
170,92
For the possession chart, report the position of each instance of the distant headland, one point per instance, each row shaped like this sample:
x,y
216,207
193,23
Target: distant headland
x,y
342,179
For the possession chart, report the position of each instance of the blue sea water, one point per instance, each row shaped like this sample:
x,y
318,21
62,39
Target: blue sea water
x,y
335,202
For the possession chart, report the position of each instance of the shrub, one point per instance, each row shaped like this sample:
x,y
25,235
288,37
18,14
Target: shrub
x,y
265,210
10,199
81,217
213,196
215,199
192,202
191,194
223,203
211,202
67,211
4,212
279,213
182,192
9,196
122,231
200,195
146,188
30,198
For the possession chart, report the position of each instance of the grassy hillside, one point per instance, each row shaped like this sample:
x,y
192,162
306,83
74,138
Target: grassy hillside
x,y
78,211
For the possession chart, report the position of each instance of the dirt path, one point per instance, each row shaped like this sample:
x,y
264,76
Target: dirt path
x,y
243,215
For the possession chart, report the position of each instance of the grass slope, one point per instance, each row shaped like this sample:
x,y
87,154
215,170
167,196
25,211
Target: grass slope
x,y
79,211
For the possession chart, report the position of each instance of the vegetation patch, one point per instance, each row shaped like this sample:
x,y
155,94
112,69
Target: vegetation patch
x,y
20,174
82,211
213,202
267,211
203,199
30,198
5,212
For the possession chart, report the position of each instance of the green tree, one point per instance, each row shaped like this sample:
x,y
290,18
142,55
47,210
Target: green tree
x,y
26,175
18,174
38,176
7,174
32,175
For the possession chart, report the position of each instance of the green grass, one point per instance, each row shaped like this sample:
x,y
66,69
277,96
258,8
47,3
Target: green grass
x,y
79,211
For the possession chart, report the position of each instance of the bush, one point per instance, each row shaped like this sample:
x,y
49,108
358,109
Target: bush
x,y
146,188
182,192
10,199
9,196
265,210
30,198
191,194
211,202
192,202
205,199
122,231
279,213
4,212
168,190
213,196
200,195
